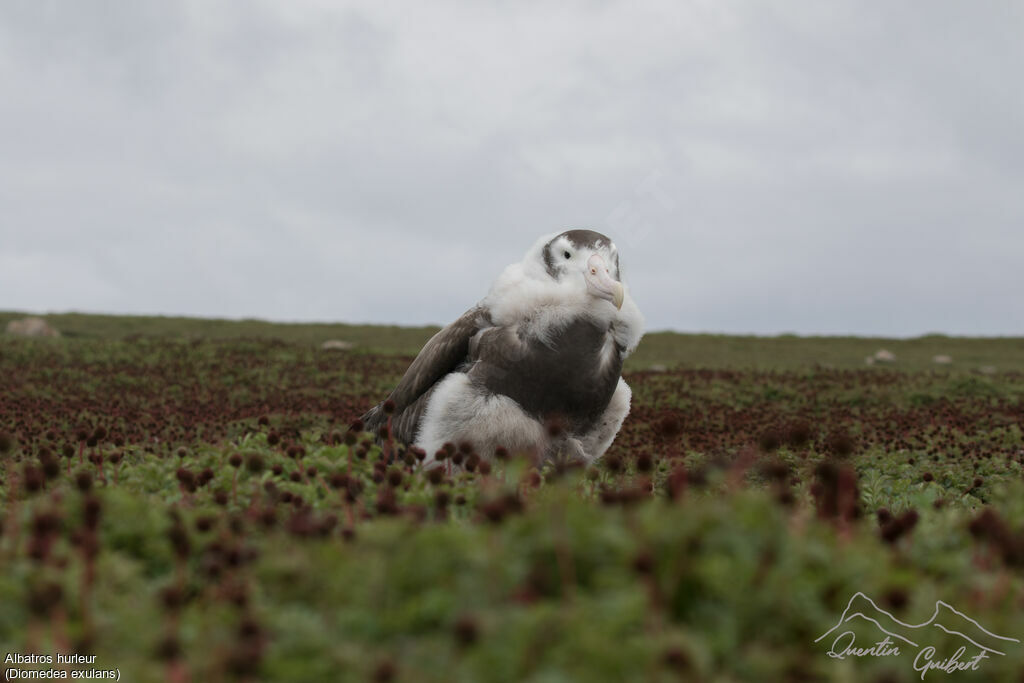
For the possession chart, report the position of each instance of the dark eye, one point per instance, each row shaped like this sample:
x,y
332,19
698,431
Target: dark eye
x,y
567,255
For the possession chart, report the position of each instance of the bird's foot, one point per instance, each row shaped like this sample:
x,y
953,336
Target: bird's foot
x,y
565,451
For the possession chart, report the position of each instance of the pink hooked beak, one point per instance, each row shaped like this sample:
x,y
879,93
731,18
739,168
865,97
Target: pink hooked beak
x,y
600,283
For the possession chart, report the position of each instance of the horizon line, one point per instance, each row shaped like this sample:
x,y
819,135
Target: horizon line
x,y
659,330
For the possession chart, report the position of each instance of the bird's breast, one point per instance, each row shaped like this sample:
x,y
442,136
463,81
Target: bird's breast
x,y
572,374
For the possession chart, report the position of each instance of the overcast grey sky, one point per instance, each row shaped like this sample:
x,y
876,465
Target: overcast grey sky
x,y
840,167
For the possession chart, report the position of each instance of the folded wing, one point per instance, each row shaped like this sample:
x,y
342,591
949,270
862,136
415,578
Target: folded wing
x,y
446,352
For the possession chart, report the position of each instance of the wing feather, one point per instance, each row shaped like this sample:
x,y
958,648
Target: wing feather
x,y
441,355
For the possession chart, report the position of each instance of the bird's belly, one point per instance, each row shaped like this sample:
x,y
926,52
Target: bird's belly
x,y
573,376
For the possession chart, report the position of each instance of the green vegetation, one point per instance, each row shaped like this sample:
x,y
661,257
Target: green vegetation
x,y
185,500
669,349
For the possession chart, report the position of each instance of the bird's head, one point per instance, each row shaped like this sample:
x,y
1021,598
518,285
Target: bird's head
x,y
564,276
586,258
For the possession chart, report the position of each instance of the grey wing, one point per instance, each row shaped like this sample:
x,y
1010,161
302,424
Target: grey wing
x,y
441,355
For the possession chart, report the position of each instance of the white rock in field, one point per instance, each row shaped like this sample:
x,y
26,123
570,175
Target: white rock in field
x,y
337,345
942,359
658,367
31,327
987,369
884,356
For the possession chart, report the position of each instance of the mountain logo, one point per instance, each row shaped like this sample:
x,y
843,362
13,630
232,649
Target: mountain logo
x,y
897,637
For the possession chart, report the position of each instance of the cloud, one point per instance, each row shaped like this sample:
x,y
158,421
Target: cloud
x,y
837,169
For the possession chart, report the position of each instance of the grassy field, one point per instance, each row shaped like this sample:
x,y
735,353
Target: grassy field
x,y
659,348
184,500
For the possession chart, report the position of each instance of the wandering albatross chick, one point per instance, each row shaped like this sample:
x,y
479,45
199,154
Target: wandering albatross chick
x,y
544,347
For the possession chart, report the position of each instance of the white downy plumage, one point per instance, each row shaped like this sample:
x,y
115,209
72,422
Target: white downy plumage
x,y
546,344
